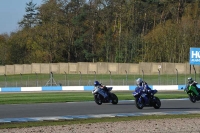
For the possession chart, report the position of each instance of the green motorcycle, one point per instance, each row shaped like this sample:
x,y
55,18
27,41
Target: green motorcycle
x,y
193,93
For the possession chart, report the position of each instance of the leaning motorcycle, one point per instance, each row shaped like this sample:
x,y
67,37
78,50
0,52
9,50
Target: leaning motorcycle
x,y
143,99
99,99
192,96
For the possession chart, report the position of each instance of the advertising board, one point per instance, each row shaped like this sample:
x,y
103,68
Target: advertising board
x,y
194,56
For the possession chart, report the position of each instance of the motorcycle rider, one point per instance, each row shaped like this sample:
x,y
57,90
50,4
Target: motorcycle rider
x,y
100,89
192,85
143,86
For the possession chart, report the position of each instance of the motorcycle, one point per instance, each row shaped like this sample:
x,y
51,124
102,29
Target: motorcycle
x,y
99,99
144,99
192,96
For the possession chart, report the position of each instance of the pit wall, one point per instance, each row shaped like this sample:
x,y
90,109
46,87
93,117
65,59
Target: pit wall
x,y
148,68
87,88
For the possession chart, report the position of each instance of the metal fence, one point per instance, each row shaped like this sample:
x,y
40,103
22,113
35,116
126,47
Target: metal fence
x,y
36,80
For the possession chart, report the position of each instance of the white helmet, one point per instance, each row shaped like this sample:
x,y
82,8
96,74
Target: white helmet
x,y
190,80
138,81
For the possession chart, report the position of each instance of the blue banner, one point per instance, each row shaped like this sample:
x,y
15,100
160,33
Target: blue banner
x,y
195,56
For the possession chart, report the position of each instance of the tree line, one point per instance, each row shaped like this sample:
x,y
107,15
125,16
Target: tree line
x,y
121,31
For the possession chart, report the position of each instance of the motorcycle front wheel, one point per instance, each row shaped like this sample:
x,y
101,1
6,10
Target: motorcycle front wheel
x,y
97,99
139,103
192,98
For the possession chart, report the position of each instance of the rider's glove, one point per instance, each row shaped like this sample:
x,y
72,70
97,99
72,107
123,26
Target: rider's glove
x,y
144,90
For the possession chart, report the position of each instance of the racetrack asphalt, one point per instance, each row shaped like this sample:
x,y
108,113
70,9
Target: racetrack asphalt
x,y
80,110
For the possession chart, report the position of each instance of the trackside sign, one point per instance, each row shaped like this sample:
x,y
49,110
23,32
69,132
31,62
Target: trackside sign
x,y
195,56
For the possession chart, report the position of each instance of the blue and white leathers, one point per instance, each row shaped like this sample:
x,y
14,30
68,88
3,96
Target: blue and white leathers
x,y
100,91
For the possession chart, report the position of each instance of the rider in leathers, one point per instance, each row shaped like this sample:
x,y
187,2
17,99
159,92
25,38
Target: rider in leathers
x,y
100,89
192,85
143,86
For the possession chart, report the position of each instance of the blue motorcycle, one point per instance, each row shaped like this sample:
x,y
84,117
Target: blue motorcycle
x,y
145,98
99,99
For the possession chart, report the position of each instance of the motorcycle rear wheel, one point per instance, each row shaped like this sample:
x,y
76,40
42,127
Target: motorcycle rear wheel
x,y
114,98
157,103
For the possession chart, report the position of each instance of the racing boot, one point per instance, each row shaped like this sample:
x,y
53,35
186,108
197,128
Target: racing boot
x,y
107,99
198,90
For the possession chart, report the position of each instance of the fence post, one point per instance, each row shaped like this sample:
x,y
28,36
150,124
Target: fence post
x,y
5,80
110,77
36,79
95,75
194,72
21,79
176,77
158,76
65,78
80,78
142,74
126,77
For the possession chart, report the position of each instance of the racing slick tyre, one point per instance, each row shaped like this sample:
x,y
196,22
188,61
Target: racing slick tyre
x,y
97,99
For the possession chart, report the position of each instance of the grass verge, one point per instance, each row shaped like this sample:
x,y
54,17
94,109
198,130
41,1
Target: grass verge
x,y
94,120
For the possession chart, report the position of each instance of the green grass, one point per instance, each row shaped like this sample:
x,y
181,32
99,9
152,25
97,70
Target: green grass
x,y
55,97
94,120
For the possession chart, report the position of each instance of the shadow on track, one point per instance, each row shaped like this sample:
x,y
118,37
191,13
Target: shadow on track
x,y
179,108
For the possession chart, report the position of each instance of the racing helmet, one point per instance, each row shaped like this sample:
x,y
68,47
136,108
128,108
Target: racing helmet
x,y
96,83
139,81
190,80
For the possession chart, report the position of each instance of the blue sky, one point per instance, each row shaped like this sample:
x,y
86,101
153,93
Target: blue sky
x,y
11,12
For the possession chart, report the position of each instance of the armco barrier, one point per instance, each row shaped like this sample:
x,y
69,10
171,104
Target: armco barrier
x,y
86,88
